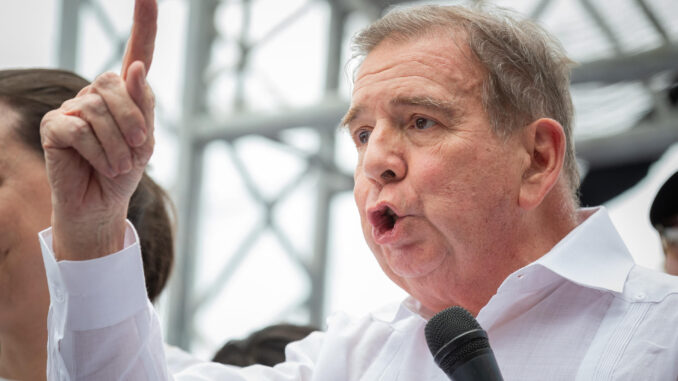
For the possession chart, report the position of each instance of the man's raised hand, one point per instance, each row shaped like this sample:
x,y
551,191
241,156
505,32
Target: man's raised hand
x,y
96,149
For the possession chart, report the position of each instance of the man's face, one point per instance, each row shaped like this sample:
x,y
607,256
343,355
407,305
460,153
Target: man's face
x,y
436,189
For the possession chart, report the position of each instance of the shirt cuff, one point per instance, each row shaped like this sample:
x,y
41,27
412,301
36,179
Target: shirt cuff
x,y
96,293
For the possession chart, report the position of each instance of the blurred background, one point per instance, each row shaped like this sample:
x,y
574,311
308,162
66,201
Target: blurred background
x,y
249,94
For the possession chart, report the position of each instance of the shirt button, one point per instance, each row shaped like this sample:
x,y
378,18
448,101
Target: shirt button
x,y
640,296
520,276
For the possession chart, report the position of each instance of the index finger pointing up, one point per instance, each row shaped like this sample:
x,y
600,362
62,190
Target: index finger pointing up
x,y
142,38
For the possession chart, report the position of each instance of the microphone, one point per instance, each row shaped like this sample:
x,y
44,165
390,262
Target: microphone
x,y
460,346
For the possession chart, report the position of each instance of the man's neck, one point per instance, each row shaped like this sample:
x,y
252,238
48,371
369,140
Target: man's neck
x,y
545,226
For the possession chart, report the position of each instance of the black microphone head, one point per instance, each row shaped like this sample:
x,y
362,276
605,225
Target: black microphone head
x,y
453,336
448,324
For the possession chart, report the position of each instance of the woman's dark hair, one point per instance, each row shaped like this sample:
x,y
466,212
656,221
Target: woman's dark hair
x,y
31,93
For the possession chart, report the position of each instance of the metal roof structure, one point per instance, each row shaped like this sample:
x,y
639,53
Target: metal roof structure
x,y
268,77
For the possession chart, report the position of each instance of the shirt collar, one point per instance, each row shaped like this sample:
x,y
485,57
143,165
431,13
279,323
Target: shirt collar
x,y
592,254
412,305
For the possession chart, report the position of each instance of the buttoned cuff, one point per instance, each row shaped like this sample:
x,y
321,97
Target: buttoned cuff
x,y
95,293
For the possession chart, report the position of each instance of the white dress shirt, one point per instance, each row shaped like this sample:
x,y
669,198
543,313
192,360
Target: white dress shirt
x,y
583,311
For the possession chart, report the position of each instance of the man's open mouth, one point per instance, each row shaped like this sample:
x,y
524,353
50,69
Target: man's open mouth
x,y
383,219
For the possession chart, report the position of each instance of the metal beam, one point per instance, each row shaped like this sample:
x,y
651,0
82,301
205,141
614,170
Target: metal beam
x,y
325,192
630,68
645,142
201,34
68,35
603,25
326,114
652,18
539,9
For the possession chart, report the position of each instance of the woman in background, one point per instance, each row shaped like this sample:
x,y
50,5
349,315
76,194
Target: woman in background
x,y
25,209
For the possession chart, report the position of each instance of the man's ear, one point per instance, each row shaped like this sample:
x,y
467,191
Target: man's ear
x,y
544,140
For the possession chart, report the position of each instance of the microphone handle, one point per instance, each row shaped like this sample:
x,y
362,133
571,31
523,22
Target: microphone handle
x,y
480,368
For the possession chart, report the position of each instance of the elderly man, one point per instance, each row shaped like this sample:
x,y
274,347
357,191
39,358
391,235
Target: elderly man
x,y
466,186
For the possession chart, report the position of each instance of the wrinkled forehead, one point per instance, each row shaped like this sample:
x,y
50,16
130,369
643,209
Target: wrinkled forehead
x,y
441,52
440,59
433,72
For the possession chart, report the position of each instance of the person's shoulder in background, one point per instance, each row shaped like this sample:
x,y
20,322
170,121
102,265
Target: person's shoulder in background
x,y
265,346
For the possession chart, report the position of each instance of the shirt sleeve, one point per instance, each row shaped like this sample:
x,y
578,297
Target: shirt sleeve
x,y
101,326
100,323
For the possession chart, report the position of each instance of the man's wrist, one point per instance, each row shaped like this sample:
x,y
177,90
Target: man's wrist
x,y
87,239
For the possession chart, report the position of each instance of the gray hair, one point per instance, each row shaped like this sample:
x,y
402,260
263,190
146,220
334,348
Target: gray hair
x,y
527,70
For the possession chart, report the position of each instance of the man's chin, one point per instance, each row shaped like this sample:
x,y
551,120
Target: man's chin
x,y
410,266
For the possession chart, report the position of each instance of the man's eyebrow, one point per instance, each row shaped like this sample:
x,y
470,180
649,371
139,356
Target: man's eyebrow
x,y
351,115
448,108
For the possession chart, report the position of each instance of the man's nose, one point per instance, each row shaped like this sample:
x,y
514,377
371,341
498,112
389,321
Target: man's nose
x,y
383,160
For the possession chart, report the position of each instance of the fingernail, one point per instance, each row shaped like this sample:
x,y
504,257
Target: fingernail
x,y
137,137
125,165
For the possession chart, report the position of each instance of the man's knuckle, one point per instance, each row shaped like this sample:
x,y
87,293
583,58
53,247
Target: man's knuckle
x,y
108,76
68,104
85,90
105,80
79,129
96,104
50,121
47,118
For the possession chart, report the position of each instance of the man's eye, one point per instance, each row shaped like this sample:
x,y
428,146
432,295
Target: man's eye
x,y
363,136
423,123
